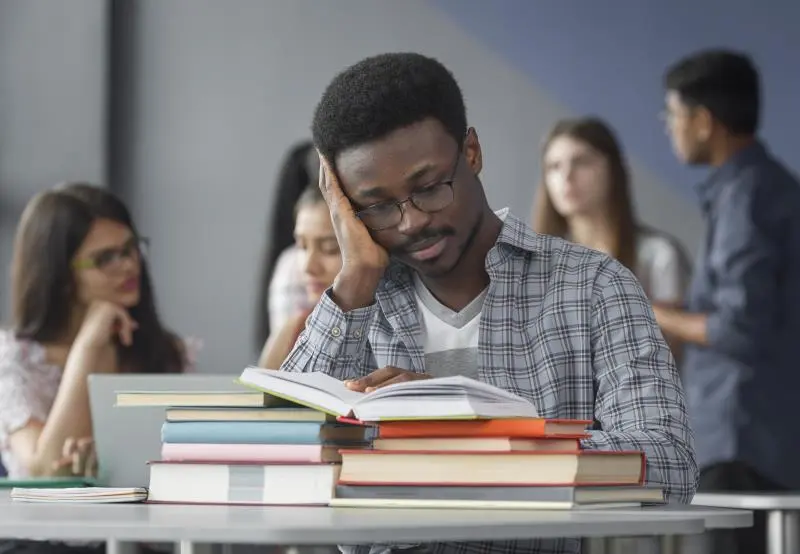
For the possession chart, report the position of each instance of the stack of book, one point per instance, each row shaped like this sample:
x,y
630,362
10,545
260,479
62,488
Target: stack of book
x,y
501,463
244,448
458,443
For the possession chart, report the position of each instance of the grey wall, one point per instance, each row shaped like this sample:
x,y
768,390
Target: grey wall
x,y
52,103
216,91
611,56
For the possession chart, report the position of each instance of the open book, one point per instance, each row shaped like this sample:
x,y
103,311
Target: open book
x,y
440,398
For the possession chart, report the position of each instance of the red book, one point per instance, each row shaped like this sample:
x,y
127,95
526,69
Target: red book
x,y
518,428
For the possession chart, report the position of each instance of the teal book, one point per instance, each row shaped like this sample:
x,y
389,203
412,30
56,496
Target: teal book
x,y
260,432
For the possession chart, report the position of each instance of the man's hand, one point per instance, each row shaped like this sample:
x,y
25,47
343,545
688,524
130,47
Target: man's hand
x,y
363,260
383,377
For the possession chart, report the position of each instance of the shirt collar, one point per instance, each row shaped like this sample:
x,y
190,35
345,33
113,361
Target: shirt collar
x,y
710,187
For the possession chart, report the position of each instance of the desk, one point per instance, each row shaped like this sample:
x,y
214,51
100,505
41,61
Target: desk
x,y
713,518
312,526
783,515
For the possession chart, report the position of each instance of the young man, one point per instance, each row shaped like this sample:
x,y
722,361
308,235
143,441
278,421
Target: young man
x,y
435,283
742,322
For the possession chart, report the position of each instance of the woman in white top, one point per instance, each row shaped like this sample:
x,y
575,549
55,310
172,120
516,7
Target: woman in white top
x,y
318,260
82,303
585,197
281,291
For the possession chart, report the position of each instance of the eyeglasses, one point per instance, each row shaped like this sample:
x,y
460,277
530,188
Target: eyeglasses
x,y
111,259
430,199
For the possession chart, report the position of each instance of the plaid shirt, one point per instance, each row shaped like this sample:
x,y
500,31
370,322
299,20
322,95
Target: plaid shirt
x,y
564,326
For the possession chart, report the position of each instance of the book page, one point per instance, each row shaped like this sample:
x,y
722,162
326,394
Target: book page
x,y
445,385
315,380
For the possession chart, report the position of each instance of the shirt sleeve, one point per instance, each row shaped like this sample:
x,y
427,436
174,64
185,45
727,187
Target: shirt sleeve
x,y
745,257
639,400
191,347
669,274
286,293
20,398
334,342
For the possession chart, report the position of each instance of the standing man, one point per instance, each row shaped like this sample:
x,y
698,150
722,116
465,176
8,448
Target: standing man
x,y
742,319
435,283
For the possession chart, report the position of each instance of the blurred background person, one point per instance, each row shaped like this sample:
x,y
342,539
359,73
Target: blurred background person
x,y
282,294
585,197
320,260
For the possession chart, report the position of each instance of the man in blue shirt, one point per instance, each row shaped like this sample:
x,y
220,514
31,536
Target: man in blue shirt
x,y
742,318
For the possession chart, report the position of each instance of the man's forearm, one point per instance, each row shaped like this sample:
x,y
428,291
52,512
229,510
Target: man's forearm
x,y
685,326
333,342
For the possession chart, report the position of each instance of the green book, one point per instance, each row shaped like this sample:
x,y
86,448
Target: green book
x,y
46,482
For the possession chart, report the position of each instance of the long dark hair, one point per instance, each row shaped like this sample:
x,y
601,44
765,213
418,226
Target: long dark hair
x,y
51,230
598,135
299,169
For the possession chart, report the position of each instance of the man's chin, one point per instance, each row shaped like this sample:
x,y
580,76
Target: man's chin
x,y
437,267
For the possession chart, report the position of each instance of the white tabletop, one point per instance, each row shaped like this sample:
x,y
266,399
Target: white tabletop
x,y
713,517
749,500
307,526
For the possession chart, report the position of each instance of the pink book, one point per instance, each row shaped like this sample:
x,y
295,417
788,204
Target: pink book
x,y
251,453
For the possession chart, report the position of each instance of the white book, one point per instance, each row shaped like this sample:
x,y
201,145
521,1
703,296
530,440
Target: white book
x,y
242,483
438,398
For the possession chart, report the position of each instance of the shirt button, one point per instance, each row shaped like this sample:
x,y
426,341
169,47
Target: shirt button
x,y
336,331
357,333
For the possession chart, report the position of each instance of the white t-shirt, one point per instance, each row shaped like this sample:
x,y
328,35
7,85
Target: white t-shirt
x,y
661,266
449,339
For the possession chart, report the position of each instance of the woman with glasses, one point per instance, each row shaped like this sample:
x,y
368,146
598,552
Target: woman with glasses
x,y
82,303
319,259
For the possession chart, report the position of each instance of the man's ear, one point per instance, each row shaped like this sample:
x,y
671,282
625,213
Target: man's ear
x,y
704,123
472,151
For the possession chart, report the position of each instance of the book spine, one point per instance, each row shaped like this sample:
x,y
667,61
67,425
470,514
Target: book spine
x,y
241,432
242,453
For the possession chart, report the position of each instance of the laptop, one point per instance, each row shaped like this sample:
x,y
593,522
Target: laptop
x,y
127,438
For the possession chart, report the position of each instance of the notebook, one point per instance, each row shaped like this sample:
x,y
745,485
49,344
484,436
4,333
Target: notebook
x,y
102,495
440,398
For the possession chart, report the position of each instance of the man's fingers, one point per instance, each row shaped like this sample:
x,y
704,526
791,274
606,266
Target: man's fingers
x,y
322,183
400,378
379,376
374,379
332,190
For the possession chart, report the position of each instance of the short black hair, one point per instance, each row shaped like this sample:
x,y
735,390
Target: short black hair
x,y
725,82
383,93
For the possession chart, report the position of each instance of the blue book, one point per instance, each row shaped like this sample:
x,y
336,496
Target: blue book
x,y
260,432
